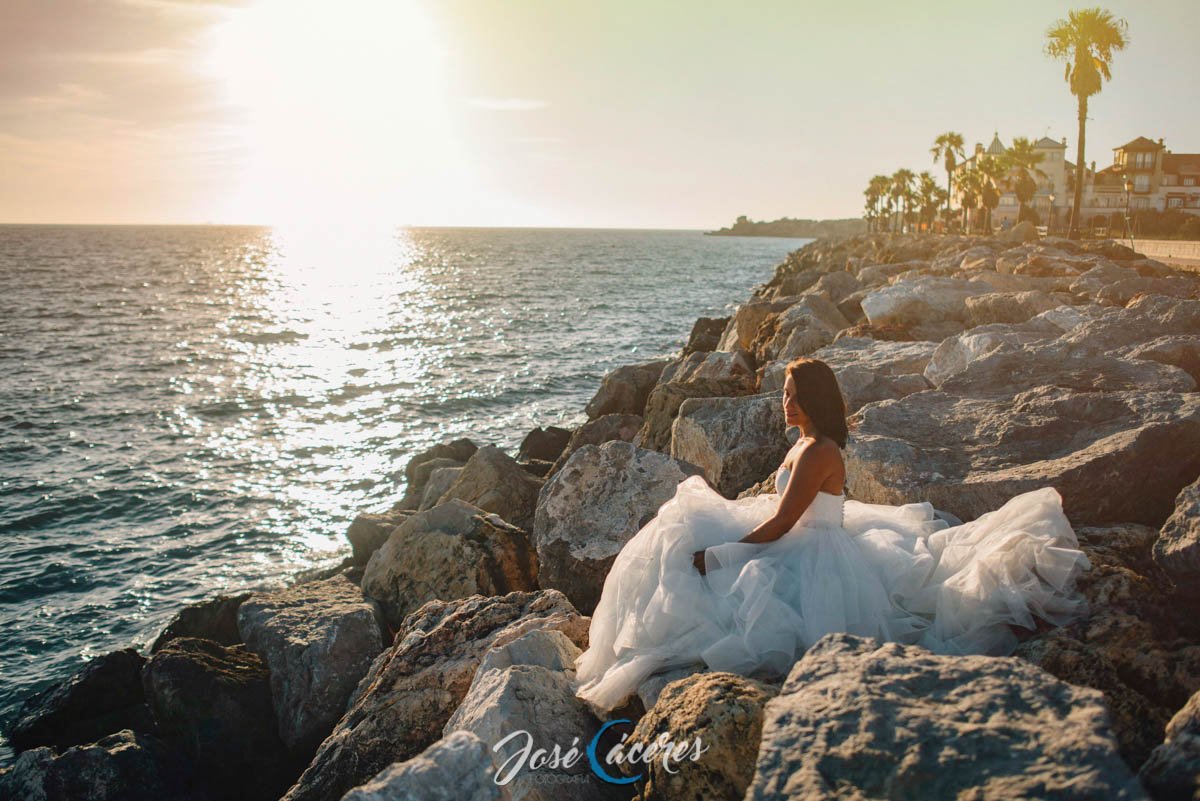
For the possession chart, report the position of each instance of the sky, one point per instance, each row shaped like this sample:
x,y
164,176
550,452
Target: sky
x,y
614,114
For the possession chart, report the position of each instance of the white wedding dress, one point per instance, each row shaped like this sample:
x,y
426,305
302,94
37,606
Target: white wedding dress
x,y
890,572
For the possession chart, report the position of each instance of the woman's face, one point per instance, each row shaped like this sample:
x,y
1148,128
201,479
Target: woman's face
x,y
793,415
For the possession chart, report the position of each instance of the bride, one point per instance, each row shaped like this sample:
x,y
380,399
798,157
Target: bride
x,y
748,585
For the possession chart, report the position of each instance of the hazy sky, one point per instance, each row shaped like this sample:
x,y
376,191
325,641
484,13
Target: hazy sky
x,y
539,112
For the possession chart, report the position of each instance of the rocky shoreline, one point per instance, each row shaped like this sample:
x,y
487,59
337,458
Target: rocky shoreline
x,y
975,368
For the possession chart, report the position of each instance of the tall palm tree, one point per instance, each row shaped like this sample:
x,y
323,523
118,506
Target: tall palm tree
x,y
991,173
948,148
929,195
902,181
877,189
1085,40
1021,161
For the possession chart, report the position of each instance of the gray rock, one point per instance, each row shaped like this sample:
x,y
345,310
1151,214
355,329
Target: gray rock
x,y
624,390
955,354
969,456
368,531
592,507
1180,350
412,689
1173,770
415,473
730,367
621,427
1145,318
213,619
892,721
722,712
921,300
548,648
735,441
742,329
808,324
318,640
1176,286
455,768
493,481
453,550
706,334
419,487
663,407
1008,307
1177,549
439,483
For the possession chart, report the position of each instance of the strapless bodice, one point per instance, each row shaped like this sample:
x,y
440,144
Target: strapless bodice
x,y
825,509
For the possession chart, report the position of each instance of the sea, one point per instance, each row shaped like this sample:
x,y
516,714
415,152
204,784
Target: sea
x,y
194,410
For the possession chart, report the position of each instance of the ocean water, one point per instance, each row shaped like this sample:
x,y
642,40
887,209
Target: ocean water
x,y
186,411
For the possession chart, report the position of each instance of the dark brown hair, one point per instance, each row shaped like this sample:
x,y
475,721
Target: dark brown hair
x,y
818,394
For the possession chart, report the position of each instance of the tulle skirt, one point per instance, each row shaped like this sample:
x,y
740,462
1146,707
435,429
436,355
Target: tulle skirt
x,y
896,573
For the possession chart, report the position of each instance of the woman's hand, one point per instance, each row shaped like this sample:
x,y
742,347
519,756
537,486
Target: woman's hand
x,y
698,561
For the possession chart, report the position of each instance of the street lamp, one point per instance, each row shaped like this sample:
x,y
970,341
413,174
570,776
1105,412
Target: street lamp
x,y
1128,227
1050,227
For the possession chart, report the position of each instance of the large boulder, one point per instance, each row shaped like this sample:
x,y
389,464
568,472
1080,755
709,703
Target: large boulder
x,y
1121,292
956,353
103,696
1177,549
1008,307
624,390
493,481
544,444
1145,318
733,368
891,721
923,299
736,442
706,334
808,324
455,768
592,507
440,481
1173,771
724,712
214,703
743,325
663,407
622,427
369,531
416,472
412,689
453,550
968,456
1180,350
317,639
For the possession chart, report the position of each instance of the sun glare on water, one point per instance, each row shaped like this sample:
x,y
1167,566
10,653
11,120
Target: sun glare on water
x,y
343,114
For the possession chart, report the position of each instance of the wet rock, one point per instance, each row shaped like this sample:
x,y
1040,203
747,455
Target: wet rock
x,y
103,696
592,507
884,721
317,640
214,703
123,766
453,550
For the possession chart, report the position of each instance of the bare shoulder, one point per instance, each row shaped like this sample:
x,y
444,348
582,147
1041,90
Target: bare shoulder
x,y
822,455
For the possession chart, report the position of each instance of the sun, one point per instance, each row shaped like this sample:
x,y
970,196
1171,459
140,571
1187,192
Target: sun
x,y
341,113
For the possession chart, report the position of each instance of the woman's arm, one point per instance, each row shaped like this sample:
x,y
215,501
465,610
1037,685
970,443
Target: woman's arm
x,y
809,473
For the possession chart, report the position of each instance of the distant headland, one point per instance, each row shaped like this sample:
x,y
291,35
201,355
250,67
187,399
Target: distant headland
x,y
786,226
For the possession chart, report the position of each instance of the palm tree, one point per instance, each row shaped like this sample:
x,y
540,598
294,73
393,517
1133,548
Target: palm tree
x,y
1021,161
948,148
1085,40
991,172
901,188
877,189
929,198
970,186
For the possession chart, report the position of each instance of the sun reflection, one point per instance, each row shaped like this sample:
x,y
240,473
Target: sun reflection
x,y
344,112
